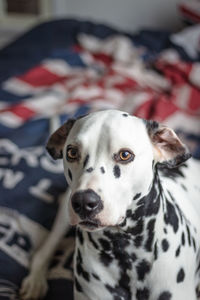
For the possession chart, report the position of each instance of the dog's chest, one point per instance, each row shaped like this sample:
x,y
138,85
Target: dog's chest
x,y
105,267
117,269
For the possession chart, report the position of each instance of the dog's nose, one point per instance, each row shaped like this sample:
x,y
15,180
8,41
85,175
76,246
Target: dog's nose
x,y
86,203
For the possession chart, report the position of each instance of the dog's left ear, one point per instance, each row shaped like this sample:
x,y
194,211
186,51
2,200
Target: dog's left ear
x,y
168,148
57,140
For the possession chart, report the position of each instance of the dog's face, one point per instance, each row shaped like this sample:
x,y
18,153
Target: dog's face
x,y
108,158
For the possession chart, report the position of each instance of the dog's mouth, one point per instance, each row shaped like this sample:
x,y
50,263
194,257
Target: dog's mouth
x,y
91,225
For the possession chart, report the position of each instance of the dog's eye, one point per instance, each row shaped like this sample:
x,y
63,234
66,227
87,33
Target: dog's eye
x,y
72,153
124,156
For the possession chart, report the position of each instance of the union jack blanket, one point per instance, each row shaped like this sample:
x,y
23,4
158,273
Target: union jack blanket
x,y
68,68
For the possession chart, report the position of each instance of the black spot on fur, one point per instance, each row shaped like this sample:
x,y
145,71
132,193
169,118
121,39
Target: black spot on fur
x,y
125,115
123,223
80,236
95,276
122,256
79,267
119,241
118,292
116,171
70,174
198,267
165,230
78,286
137,229
151,126
137,196
183,238
106,246
149,205
179,159
155,251
143,268
184,187
122,288
125,283
165,296
86,160
128,213
172,173
105,258
102,170
170,217
89,170
142,294
165,245
133,257
150,230
79,257
188,234
138,241
194,244
178,250
180,276
172,197
197,292
179,213
92,241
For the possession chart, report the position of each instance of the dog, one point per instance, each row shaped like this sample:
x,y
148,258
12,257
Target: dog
x,y
135,200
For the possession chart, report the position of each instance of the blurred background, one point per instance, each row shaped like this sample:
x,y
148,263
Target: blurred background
x,y
18,15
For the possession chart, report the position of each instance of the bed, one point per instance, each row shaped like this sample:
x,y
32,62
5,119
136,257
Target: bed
x,y
67,68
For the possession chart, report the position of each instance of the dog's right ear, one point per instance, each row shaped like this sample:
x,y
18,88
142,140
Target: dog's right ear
x,y
57,140
168,148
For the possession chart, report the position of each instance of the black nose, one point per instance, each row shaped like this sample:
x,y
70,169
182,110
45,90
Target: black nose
x,y
86,203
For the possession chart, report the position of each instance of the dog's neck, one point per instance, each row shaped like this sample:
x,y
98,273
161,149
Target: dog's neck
x,y
123,245
138,226
144,209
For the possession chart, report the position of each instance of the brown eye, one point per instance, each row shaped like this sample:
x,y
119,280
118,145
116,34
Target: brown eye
x,y
124,156
72,153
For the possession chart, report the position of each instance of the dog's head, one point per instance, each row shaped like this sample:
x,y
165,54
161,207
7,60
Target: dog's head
x,y
108,158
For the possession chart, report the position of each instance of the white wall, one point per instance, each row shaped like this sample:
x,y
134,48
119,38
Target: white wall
x,y
125,14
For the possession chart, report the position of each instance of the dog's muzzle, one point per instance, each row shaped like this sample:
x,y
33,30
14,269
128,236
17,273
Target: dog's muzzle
x,y
87,204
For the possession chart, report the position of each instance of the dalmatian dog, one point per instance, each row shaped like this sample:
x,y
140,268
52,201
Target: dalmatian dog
x,y
135,201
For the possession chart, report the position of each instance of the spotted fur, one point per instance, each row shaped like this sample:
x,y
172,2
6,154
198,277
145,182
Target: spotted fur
x,y
144,243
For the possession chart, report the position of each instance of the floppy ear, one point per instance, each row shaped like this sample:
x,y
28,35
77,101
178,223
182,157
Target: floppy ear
x,y
168,148
57,140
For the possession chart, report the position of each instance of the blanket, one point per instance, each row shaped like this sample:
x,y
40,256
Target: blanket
x,y
68,68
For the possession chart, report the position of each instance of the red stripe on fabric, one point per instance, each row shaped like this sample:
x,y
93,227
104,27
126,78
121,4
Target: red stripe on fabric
x,y
145,109
106,59
127,85
40,76
82,101
164,109
187,12
156,109
77,48
21,111
178,73
194,101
